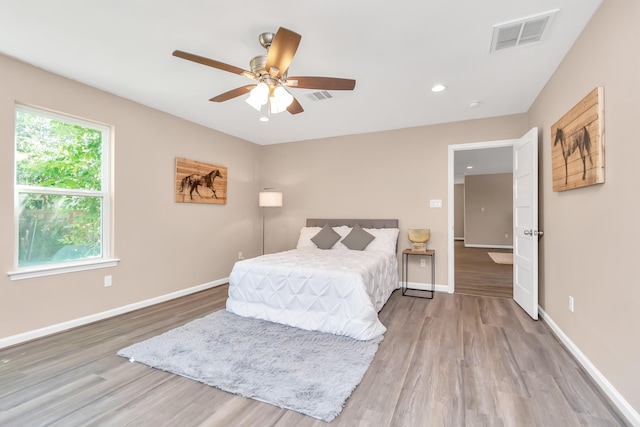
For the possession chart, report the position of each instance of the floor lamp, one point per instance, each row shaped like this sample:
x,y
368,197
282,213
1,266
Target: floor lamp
x,y
268,198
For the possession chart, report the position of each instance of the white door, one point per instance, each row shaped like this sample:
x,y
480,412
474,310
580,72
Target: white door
x,y
525,222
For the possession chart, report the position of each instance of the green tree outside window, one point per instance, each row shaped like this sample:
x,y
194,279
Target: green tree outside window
x,y
58,181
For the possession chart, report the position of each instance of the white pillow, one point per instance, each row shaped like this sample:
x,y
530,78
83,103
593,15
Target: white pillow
x,y
343,231
385,239
306,233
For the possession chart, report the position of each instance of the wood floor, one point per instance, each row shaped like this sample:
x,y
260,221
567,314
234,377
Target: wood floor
x,y
456,360
477,274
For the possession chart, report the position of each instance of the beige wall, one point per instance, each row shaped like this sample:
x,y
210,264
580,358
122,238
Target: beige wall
x,y
590,244
164,246
390,174
458,211
488,204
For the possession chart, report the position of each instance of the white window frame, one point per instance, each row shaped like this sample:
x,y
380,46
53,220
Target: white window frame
x,y
107,259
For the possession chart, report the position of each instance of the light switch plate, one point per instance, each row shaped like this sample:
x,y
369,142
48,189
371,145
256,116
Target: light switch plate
x,y
435,203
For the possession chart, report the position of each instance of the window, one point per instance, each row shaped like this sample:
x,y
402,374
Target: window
x,y
61,193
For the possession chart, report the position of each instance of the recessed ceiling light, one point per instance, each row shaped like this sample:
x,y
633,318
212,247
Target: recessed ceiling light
x,y
264,119
438,88
469,167
474,104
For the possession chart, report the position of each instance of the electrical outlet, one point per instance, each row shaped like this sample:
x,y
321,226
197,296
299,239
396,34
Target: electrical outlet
x,y
240,256
506,235
423,262
571,304
107,281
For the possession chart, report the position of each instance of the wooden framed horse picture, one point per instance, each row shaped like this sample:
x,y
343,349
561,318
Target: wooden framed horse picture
x,y
198,182
577,151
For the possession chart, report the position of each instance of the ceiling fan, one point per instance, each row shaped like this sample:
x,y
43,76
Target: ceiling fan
x,y
270,73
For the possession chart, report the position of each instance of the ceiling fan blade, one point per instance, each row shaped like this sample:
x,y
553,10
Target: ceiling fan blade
x,y
283,48
324,83
213,63
295,107
233,93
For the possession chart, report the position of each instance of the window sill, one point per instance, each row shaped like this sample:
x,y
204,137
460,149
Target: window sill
x,y
48,270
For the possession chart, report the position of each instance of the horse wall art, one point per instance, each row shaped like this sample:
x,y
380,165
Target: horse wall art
x,y
578,144
198,182
194,180
580,141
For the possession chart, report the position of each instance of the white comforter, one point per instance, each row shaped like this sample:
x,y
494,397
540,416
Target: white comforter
x,y
334,291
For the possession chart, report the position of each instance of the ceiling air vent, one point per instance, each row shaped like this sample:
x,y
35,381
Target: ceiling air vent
x,y
521,32
320,95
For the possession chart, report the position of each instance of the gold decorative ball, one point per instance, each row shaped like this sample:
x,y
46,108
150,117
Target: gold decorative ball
x,y
419,238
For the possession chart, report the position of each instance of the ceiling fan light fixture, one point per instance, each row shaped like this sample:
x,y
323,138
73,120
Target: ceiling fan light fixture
x,y
253,102
275,107
270,75
280,99
258,96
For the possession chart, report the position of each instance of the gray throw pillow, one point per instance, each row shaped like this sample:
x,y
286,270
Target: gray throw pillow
x,y
326,238
358,239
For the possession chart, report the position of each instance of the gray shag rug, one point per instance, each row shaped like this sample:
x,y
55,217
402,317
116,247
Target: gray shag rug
x,y
309,372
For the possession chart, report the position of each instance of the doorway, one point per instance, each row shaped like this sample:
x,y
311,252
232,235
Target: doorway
x,y
471,269
524,213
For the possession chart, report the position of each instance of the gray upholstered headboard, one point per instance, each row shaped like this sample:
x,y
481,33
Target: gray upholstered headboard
x,y
364,223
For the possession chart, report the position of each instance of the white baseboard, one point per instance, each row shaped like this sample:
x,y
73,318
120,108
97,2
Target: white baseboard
x,y
489,246
48,330
616,398
426,286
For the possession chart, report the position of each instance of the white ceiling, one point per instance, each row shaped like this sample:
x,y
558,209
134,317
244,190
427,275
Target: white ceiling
x,y
396,51
482,162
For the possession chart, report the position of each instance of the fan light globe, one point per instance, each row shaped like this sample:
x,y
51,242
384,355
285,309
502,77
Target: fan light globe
x,y
258,96
280,100
419,238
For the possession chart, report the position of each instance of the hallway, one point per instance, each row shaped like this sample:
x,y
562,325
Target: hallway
x,y
477,274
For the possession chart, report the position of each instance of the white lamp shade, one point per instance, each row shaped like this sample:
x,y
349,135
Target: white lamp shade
x,y
268,199
258,96
280,100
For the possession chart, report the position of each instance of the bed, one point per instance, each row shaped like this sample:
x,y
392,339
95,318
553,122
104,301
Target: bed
x,y
335,290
